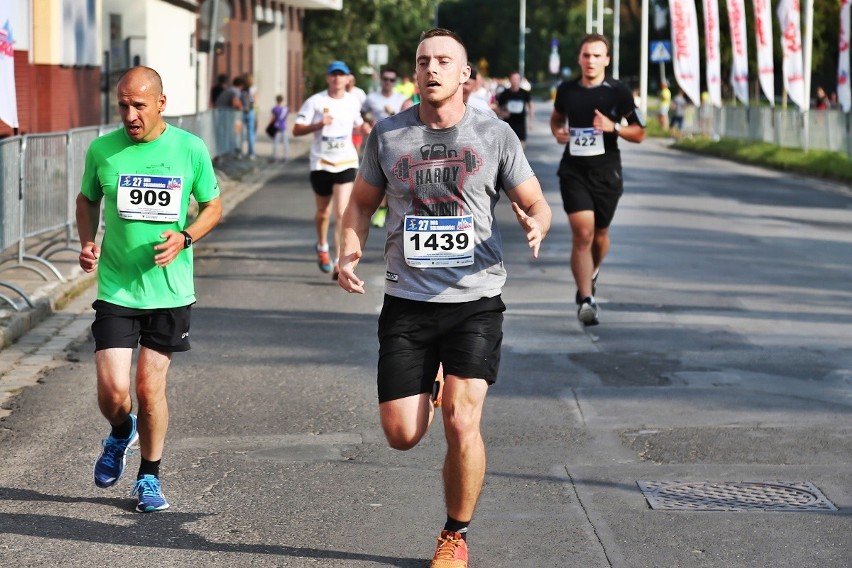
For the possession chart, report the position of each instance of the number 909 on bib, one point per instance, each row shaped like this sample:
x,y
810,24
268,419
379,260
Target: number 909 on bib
x,y
149,198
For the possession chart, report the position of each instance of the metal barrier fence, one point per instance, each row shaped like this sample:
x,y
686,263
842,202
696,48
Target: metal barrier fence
x,y
829,130
40,178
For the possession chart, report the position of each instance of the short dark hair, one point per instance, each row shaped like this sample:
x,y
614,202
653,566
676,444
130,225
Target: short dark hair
x,y
592,38
389,70
441,32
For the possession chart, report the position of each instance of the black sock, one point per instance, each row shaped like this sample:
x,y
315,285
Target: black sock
x,y
123,430
456,526
149,468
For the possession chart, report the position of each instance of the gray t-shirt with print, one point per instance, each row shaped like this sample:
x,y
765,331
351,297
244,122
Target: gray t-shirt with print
x,y
456,173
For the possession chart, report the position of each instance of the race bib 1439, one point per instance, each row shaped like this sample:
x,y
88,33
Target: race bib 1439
x,y
432,242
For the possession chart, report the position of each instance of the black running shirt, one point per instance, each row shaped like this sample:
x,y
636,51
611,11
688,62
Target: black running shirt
x,y
578,103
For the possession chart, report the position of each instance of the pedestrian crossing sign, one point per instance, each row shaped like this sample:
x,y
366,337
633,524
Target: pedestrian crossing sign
x,y
661,51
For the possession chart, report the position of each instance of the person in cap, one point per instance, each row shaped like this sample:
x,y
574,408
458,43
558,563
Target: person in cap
x,y
331,115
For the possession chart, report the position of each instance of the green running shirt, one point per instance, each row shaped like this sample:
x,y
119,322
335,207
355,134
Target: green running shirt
x,y
174,166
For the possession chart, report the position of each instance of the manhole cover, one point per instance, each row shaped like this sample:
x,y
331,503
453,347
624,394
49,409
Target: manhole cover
x,y
734,496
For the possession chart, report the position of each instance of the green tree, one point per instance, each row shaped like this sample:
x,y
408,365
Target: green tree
x,y
345,35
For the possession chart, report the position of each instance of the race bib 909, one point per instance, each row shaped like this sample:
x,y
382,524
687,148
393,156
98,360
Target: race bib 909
x,y
149,198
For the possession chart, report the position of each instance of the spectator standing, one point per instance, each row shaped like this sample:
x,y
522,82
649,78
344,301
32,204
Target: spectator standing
x,y
822,100
679,104
231,99
665,105
221,85
279,119
247,98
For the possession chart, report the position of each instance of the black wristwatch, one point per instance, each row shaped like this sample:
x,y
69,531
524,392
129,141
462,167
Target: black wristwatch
x,y
187,239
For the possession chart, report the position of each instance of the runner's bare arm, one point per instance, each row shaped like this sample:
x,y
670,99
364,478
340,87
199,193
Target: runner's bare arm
x,y
557,127
209,214
356,226
88,217
532,210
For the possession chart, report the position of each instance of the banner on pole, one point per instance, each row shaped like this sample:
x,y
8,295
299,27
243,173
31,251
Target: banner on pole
x,y
789,21
739,47
685,56
844,89
763,41
713,61
8,100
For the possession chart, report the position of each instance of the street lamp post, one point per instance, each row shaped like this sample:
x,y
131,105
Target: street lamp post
x,y
522,40
600,17
616,35
589,10
643,61
435,14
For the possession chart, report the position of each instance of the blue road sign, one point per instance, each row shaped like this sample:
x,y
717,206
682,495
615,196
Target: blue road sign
x,y
661,51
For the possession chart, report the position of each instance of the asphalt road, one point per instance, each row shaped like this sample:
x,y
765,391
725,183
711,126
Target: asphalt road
x,y
723,356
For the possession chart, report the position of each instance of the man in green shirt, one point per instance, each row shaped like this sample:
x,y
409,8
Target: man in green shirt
x,y
144,174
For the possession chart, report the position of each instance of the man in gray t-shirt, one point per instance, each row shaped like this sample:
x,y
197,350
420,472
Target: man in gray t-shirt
x,y
441,165
453,173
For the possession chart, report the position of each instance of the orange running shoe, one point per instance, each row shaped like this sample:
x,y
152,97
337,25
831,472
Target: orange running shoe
x,y
324,260
451,551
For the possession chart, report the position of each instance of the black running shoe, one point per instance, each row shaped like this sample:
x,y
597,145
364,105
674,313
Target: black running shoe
x,y
588,312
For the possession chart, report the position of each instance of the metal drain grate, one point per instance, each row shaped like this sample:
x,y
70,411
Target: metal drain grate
x,y
734,496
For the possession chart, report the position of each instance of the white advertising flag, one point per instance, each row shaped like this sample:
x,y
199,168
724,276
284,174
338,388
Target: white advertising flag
x,y
685,48
763,41
739,48
713,62
8,101
789,22
844,89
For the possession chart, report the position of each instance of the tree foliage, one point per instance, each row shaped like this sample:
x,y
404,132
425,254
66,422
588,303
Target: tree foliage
x,y
491,31
345,35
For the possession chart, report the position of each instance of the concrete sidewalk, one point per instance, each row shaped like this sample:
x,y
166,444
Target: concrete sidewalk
x,y
33,338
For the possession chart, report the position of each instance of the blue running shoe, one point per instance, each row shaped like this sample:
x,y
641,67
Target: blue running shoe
x,y
150,495
110,464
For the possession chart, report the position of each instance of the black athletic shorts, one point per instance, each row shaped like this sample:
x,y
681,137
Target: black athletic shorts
x,y
323,182
595,189
163,329
415,337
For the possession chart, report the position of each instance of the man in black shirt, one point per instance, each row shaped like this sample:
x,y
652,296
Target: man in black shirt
x,y
516,106
587,117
